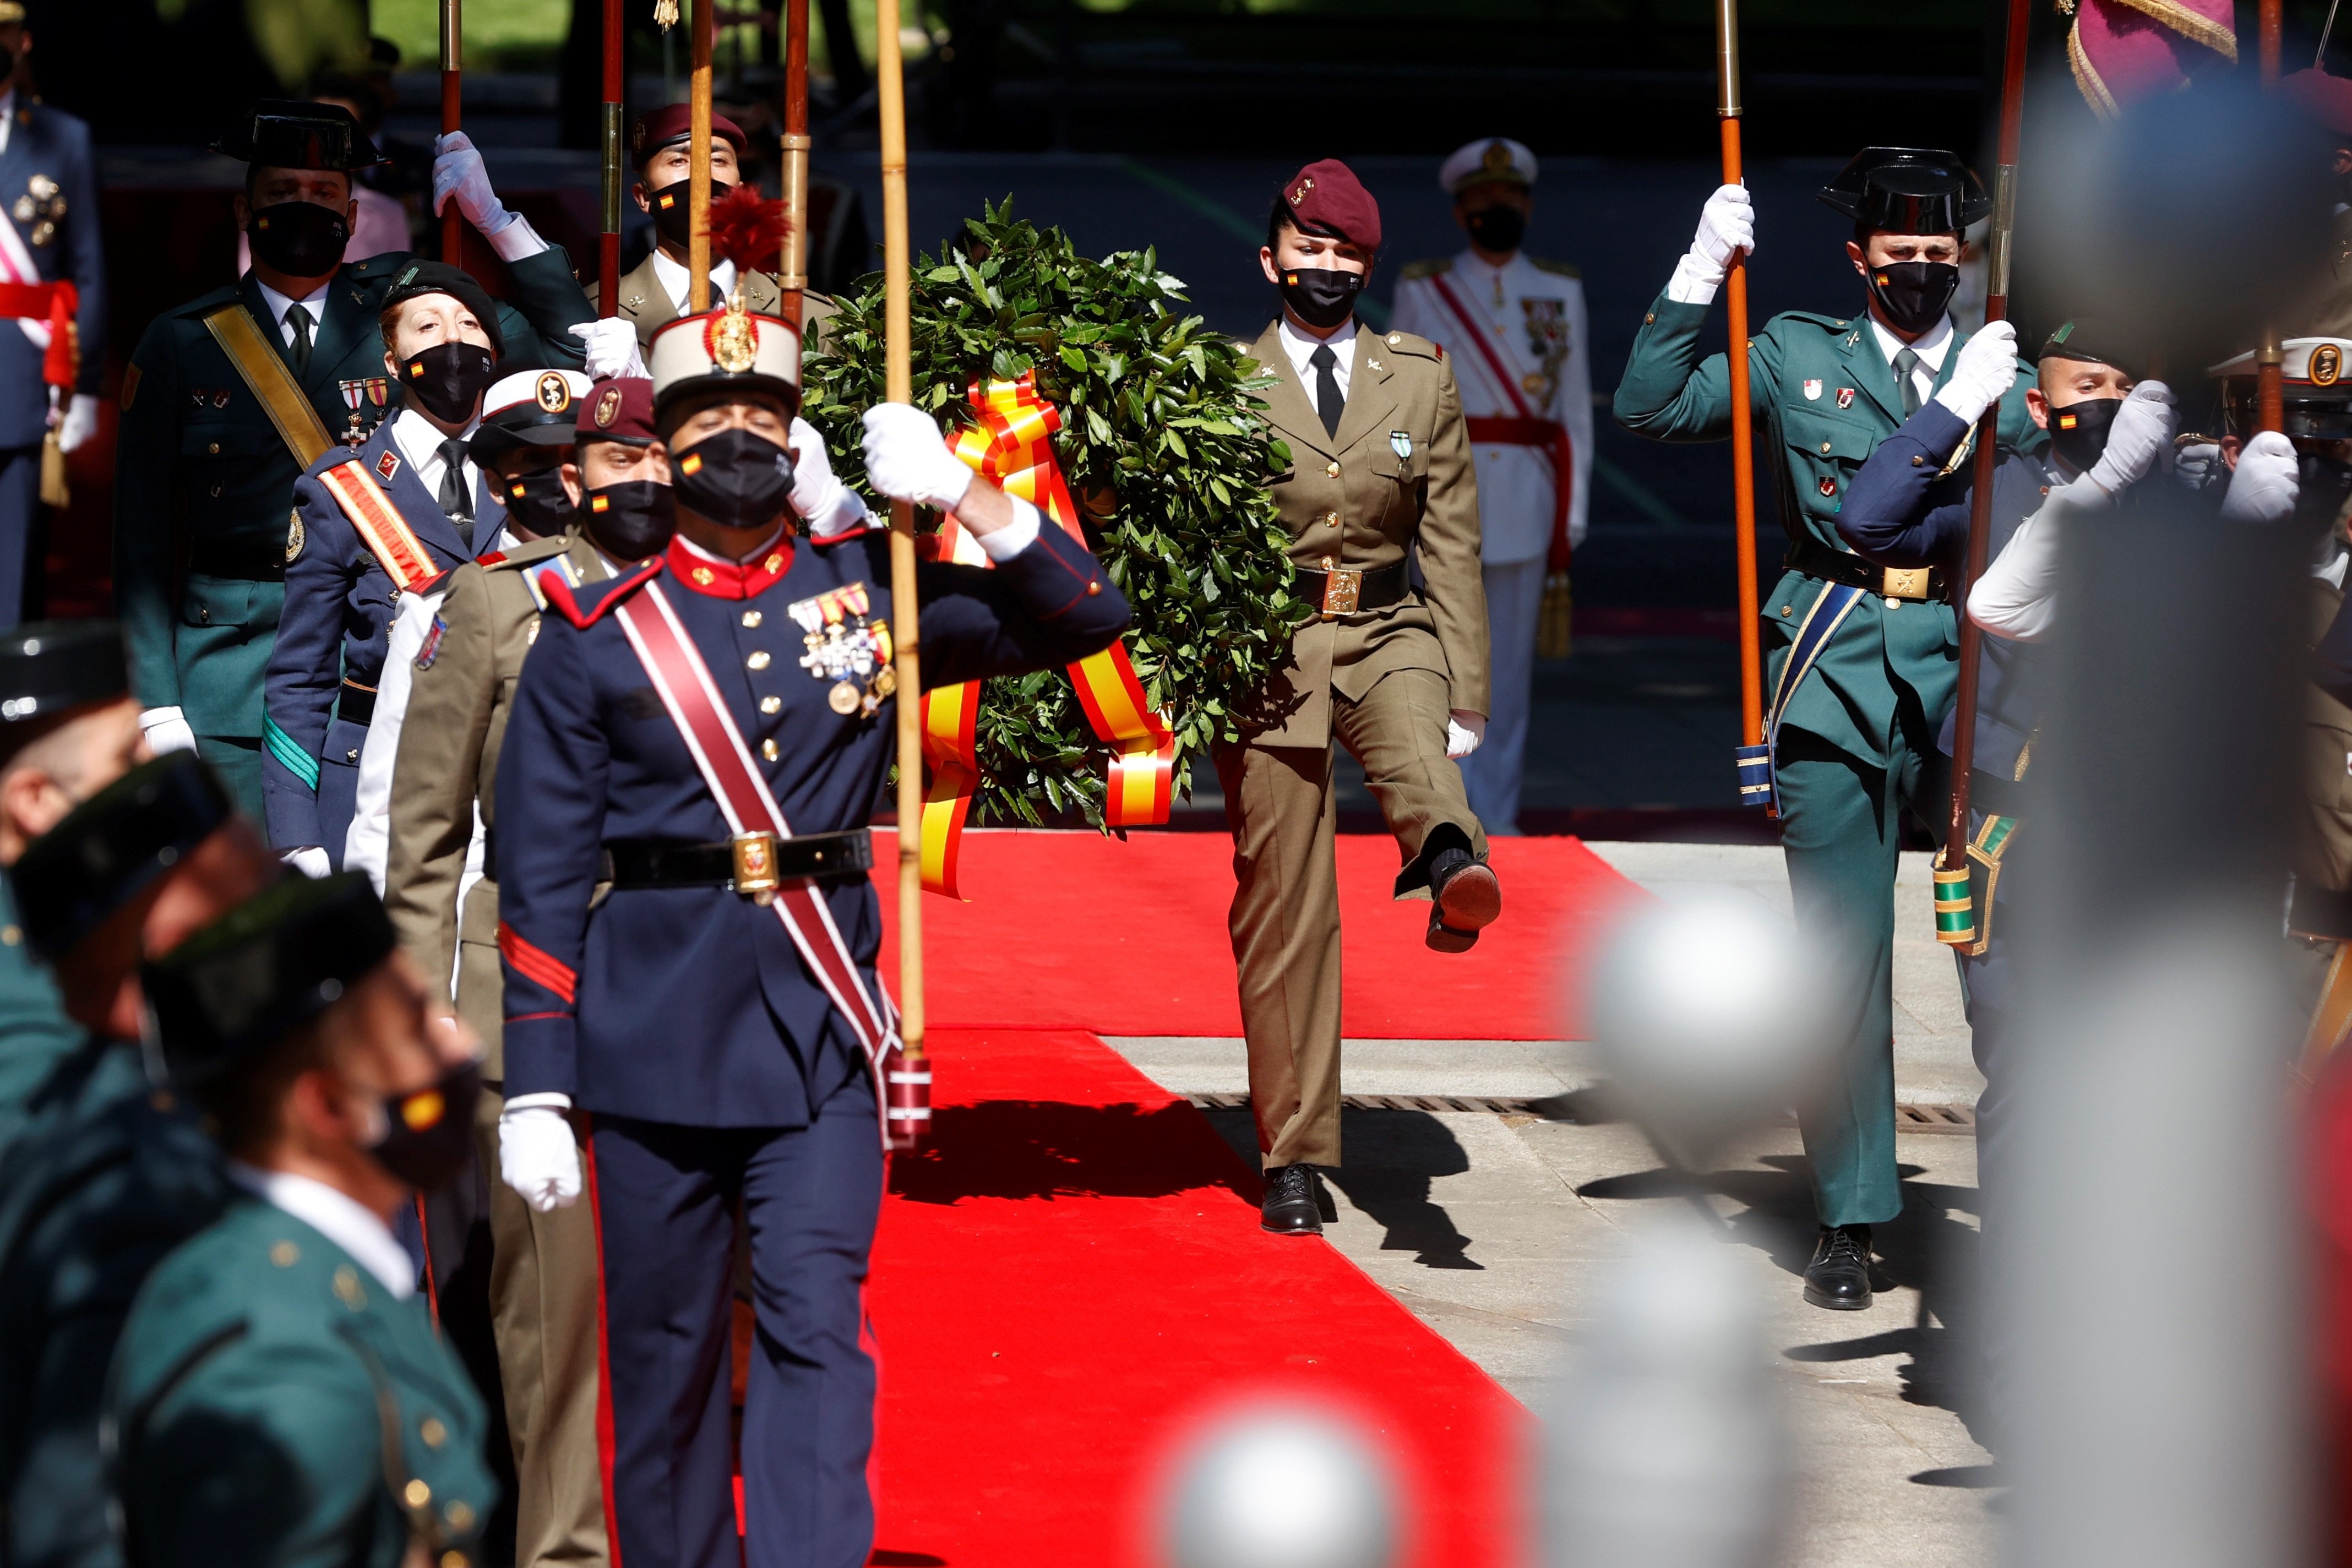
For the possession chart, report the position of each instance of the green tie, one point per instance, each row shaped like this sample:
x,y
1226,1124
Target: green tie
x,y
1907,365
299,320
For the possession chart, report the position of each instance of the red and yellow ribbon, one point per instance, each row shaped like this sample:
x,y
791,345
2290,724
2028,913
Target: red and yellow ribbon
x,y
1011,447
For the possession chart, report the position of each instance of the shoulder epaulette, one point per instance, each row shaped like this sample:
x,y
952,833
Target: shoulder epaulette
x,y
1407,343
1434,268
1557,268
495,558
529,552
381,264
565,599
1813,318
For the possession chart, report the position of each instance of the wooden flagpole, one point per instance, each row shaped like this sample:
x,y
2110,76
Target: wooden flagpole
x,y
453,51
697,246
905,612
608,240
792,273
2270,407
1955,908
1754,790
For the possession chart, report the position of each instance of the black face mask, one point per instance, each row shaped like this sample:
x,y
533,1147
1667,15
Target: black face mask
x,y
449,379
537,500
675,222
735,479
1321,296
2078,432
301,239
2323,486
1497,228
631,521
429,1135
1912,295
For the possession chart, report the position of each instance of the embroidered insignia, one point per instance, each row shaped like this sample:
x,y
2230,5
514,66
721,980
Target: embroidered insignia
x,y
1828,487
2326,365
1813,390
387,465
221,395
1845,397
733,341
1400,443
608,408
293,534
431,649
553,392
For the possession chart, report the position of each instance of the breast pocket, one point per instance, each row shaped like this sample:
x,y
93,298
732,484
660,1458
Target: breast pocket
x,y
1823,451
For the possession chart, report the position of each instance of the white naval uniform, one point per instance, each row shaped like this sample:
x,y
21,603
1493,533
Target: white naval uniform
x,y
1534,313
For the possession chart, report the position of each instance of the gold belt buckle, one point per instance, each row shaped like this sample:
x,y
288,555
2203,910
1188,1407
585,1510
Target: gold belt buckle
x,y
755,866
1342,588
1909,582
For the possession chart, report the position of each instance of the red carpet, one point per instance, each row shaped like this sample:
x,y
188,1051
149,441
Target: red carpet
x,y
1072,1273
1076,930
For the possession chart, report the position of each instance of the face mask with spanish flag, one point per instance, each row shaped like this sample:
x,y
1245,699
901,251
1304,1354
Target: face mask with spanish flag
x,y
2078,432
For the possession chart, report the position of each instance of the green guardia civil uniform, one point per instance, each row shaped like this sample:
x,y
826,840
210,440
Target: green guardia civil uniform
x,y
201,463
273,1406
35,1033
1857,735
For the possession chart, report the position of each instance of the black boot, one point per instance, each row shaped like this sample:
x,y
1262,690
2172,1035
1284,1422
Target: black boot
x,y
1464,899
1839,1276
1290,1208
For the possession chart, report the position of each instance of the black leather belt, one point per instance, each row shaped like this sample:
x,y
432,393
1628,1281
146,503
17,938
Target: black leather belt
x,y
672,863
356,705
1892,582
237,559
1337,591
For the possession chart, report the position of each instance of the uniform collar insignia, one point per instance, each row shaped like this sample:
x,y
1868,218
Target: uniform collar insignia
x,y
730,579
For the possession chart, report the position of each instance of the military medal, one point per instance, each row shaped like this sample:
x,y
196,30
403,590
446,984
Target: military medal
x,y
845,650
844,698
1845,397
1400,443
1813,390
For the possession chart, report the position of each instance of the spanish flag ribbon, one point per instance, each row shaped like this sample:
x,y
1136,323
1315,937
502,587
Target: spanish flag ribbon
x,y
1011,447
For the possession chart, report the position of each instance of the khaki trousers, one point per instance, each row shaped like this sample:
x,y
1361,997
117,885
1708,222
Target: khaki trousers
x,y
543,1313
1284,920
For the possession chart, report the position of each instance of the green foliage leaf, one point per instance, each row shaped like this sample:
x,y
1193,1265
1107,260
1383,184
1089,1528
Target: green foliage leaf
x,y
1182,523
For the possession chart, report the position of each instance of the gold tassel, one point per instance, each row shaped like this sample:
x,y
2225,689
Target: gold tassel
x,y
1552,622
54,489
664,14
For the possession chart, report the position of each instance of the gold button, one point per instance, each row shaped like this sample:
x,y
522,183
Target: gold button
x,y
768,748
347,1287
1649,319
1331,470
454,1559
416,1494
1395,338
704,575
460,1515
432,1431
11,935
759,659
213,449
771,704
751,618
1826,446
352,755
1917,462
1784,609
1093,588
285,1254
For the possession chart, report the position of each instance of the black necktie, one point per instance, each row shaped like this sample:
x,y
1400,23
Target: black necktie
x,y
1329,401
456,495
299,320
1906,367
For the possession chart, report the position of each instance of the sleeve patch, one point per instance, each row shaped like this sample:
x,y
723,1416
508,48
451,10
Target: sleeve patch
x,y
431,649
535,964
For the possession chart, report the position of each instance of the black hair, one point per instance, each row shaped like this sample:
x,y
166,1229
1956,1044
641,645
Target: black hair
x,y
1280,217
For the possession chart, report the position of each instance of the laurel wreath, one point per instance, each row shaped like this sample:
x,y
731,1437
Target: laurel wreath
x,y
1163,443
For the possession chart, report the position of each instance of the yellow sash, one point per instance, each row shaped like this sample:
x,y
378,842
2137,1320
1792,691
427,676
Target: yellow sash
x,y
304,432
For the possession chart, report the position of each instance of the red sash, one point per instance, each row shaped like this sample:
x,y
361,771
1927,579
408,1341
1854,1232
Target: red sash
x,y
1527,431
683,684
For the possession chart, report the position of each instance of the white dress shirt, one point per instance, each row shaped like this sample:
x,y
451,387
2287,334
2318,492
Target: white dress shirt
x,y
314,303
419,440
677,282
347,1222
1932,344
1301,347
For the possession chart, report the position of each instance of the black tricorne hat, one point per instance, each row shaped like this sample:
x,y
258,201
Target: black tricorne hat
x,y
2091,340
421,278
288,133
1907,190
264,970
48,667
71,880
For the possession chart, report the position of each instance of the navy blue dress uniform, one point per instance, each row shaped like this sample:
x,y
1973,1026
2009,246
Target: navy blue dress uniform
x,y
107,1176
363,515
280,1399
714,1066
48,189
211,444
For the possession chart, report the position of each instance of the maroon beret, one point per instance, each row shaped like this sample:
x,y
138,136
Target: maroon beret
x,y
656,129
620,409
2328,98
1325,198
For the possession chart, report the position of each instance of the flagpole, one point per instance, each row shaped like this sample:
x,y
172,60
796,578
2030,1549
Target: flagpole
x,y
2270,407
1955,907
453,222
1754,759
608,240
905,617
698,245
792,273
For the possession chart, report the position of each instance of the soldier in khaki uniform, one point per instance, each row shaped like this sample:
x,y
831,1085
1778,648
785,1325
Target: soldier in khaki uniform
x,y
1379,476
543,1266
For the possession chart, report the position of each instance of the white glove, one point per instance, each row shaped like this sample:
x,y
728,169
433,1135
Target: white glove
x,y
613,349
2264,486
817,496
1983,374
167,731
1727,225
1465,730
2140,437
310,859
459,171
908,459
78,423
538,1155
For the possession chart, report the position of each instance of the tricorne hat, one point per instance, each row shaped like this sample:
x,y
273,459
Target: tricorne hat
x,y
1907,190
289,133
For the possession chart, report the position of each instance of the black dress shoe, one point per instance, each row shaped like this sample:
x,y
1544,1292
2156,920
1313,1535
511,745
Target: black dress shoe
x,y
1290,1208
1839,1276
1464,899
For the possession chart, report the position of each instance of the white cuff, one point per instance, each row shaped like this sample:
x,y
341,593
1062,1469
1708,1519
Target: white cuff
x,y
1695,281
1967,403
515,240
537,1102
1015,536
846,514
